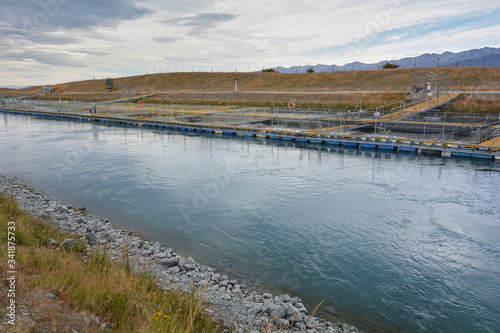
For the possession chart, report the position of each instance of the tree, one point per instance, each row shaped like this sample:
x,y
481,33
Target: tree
x,y
389,65
310,70
269,70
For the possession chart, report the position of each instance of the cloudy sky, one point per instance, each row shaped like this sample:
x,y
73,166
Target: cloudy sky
x,y
52,41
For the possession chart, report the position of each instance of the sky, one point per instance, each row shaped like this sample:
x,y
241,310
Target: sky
x,y
54,41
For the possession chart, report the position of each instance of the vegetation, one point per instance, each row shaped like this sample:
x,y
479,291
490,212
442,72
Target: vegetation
x,y
85,288
389,65
310,70
269,70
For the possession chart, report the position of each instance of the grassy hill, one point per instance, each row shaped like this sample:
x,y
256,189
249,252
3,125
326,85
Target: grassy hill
x,y
370,80
382,86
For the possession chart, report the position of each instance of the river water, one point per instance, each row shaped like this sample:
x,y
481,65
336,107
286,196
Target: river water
x,y
406,241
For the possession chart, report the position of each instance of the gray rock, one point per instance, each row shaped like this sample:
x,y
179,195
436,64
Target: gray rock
x,y
300,325
237,292
215,277
203,283
69,243
189,264
270,307
257,323
169,262
51,242
331,311
282,323
279,312
256,310
226,297
159,256
51,295
311,325
258,299
190,267
174,269
267,295
345,327
93,240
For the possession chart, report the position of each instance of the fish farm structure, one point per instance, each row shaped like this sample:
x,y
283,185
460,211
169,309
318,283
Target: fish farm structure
x,y
408,126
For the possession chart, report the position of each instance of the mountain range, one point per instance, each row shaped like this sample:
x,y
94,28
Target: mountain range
x,y
486,57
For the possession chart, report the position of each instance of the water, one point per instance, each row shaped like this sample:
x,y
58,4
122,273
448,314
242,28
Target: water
x,y
406,241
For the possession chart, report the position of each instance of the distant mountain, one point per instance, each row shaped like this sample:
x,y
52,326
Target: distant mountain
x,y
487,56
14,87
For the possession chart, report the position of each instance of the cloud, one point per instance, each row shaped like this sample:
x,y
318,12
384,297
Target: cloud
x,y
201,22
166,39
48,58
40,16
64,39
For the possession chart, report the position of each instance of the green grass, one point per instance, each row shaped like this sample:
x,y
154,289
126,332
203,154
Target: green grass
x,y
131,302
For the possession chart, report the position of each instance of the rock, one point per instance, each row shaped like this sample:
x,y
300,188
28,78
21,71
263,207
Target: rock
x,y
311,325
51,242
256,310
159,256
174,270
203,283
345,327
270,307
237,292
215,277
267,295
258,299
69,243
281,323
257,323
190,264
51,295
300,325
169,262
331,311
226,297
279,312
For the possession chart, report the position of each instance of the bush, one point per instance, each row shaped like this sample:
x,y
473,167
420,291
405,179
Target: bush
x,y
269,70
389,65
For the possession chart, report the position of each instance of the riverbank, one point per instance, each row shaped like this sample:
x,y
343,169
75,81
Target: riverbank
x,y
235,305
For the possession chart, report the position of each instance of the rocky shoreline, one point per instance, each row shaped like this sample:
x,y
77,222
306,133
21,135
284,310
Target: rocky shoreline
x,y
241,309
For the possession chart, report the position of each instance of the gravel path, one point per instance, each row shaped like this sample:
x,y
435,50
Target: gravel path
x,y
241,309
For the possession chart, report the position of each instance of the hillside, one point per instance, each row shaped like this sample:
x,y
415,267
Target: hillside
x,y
332,90
394,80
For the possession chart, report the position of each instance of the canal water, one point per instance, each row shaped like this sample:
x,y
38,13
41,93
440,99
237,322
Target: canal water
x,y
407,241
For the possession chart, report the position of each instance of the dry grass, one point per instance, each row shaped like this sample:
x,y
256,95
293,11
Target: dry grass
x,y
127,301
386,86
476,104
370,80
